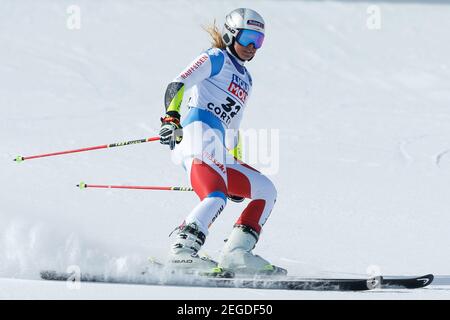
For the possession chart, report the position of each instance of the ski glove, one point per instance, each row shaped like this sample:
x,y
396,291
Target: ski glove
x,y
171,131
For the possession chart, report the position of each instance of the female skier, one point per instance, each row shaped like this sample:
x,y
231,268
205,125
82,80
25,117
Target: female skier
x,y
207,148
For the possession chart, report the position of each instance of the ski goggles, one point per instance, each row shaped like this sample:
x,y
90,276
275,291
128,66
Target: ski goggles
x,y
246,37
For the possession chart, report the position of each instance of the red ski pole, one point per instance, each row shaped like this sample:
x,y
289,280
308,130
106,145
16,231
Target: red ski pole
x,y
83,185
105,146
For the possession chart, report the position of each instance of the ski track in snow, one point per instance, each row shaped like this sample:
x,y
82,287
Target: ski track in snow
x,y
440,156
409,156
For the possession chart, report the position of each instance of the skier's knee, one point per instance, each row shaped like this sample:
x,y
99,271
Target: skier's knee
x,y
266,190
218,194
272,190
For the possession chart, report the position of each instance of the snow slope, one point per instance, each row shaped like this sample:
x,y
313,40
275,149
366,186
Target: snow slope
x,y
364,140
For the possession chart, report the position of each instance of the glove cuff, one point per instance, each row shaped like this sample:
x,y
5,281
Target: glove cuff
x,y
169,119
173,114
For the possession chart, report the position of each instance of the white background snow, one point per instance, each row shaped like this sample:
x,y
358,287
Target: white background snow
x,y
364,125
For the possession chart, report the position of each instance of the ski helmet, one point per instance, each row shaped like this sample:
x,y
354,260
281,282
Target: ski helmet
x,y
243,19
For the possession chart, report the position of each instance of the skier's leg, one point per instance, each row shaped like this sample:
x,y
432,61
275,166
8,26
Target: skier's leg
x,y
249,183
210,186
203,159
237,254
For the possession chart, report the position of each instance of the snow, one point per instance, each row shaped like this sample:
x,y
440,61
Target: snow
x,y
364,148
32,290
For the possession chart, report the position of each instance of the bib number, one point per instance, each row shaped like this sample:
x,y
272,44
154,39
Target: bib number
x,y
227,111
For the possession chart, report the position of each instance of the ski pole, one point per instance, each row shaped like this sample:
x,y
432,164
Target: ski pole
x,y
83,185
105,146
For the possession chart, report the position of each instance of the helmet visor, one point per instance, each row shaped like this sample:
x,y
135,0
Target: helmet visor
x,y
246,37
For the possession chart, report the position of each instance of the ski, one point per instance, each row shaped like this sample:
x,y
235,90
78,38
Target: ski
x,y
280,283
383,282
406,283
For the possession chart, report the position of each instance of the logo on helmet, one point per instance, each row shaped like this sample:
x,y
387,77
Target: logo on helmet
x,y
255,23
230,29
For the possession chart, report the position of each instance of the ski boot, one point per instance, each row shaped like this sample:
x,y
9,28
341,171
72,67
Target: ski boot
x,y
237,254
183,255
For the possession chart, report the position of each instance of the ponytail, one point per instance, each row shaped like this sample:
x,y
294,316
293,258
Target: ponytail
x,y
216,36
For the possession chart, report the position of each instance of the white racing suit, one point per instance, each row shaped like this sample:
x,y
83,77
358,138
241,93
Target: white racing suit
x,y
220,86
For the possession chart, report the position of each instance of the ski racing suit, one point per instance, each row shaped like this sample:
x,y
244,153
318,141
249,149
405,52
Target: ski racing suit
x,y
220,87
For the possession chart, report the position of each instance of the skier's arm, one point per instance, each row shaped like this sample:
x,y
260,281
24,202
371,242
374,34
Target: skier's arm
x,y
233,138
234,144
204,66
173,98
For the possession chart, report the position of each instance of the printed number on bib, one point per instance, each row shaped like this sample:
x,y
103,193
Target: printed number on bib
x,y
227,111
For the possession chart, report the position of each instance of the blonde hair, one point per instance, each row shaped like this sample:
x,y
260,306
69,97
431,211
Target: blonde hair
x,y
216,35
